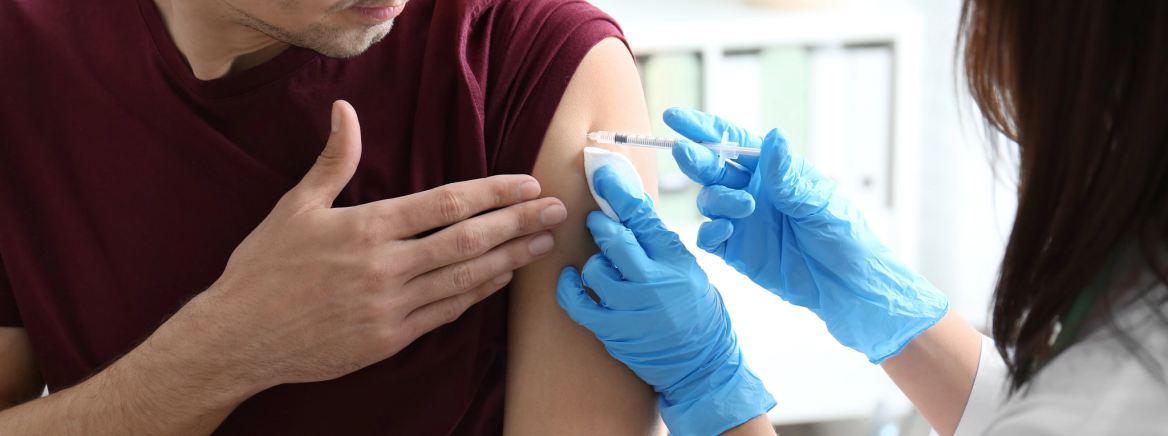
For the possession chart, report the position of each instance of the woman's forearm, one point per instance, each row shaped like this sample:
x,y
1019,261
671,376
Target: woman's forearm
x,y
937,369
757,426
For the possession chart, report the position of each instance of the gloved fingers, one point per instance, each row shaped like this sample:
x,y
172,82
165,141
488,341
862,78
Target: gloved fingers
x,y
777,152
569,290
581,308
605,280
569,282
628,202
700,164
792,183
715,201
635,210
631,204
712,235
700,126
600,275
619,244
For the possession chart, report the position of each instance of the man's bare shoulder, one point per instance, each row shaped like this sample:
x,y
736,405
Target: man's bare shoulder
x,y
560,378
20,380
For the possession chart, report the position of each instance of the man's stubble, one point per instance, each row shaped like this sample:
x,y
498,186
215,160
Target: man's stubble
x,y
329,41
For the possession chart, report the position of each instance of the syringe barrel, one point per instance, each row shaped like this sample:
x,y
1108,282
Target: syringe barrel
x,y
644,140
725,150
603,137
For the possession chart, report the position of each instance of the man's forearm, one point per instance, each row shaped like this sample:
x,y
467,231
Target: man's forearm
x,y
163,387
312,294
109,404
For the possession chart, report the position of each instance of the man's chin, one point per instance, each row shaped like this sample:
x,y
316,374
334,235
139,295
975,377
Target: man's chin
x,y
351,46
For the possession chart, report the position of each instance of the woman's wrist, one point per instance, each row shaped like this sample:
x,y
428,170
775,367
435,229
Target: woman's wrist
x,y
757,426
716,399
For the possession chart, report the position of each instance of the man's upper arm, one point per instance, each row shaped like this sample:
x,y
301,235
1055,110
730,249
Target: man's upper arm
x,y
20,380
560,379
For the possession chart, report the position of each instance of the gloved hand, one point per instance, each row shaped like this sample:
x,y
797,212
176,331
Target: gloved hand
x,y
779,221
660,316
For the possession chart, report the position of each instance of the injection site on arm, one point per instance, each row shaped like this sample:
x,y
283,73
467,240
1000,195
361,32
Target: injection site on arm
x,y
561,380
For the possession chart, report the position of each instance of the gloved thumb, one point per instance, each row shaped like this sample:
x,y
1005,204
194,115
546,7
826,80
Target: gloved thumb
x,y
571,296
793,184
704,166
336,163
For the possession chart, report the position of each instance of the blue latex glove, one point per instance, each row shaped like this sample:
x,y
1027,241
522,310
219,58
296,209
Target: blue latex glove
x,y
779,221
660,316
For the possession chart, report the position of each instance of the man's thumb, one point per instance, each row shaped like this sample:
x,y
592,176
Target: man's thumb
x,y
336,163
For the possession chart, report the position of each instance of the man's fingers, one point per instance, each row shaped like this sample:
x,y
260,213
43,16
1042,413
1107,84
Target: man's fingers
x,y
701,165
617,243
717,201
449,204
335,165
460,277
438,313
475,236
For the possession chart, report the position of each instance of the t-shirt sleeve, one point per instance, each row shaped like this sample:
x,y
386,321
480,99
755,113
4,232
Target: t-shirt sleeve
x,y
9,316
535,48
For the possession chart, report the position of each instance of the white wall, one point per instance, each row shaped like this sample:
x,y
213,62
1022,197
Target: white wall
x,y
965,214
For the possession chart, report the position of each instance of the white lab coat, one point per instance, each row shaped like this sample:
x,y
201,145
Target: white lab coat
x,y
1095,387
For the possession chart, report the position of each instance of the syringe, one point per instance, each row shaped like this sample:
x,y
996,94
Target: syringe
x,y
725,149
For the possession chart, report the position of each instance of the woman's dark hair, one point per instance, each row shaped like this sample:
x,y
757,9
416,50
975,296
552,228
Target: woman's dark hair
x,y
1082,87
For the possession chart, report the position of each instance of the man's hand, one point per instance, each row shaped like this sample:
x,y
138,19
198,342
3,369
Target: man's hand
x,y
315,293
312,294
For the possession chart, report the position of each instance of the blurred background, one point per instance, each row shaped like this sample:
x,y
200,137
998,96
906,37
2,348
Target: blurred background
x,y
868,90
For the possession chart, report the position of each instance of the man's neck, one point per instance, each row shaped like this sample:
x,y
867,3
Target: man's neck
x,y
213,45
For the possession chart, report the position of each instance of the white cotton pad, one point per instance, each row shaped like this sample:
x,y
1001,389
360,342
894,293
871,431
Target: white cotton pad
x,y
594,158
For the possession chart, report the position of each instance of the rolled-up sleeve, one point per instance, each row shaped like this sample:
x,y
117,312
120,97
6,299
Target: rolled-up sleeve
x,y
532,64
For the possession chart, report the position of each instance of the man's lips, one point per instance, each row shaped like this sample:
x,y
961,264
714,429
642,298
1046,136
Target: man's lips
x,y
381,14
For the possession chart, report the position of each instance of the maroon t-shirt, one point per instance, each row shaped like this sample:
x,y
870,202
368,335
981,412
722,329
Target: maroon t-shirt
x,y
125,182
